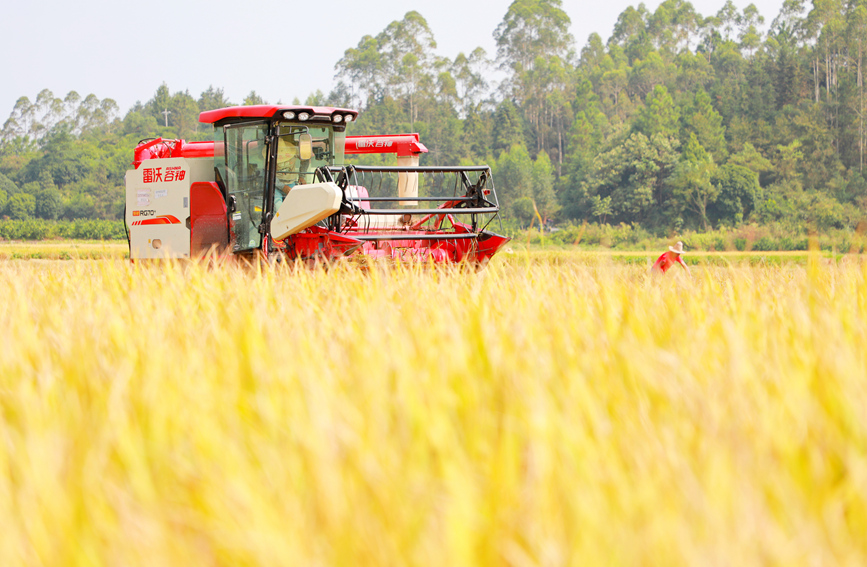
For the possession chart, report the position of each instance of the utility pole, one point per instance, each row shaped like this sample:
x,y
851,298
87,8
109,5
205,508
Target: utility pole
x,y
166,113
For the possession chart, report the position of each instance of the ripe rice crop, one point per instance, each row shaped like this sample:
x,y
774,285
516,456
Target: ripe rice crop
x,y
583,413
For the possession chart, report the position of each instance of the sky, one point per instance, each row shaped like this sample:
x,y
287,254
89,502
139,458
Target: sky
x,y
282,50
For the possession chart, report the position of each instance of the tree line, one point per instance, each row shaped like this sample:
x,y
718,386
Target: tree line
x,y
677,121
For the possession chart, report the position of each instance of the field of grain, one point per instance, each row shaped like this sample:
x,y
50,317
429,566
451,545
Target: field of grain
x,y
566,411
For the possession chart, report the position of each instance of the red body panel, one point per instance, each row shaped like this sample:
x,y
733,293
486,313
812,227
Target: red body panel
x,y
320,243
208,219
159,148
197,150
400,144
269,110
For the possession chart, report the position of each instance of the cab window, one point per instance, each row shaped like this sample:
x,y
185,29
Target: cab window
x,y
242,169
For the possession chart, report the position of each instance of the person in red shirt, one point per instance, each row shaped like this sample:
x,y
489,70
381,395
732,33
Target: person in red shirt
x,y
669,259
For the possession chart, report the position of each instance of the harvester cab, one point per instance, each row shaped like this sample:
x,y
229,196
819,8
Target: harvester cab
x,y
274,182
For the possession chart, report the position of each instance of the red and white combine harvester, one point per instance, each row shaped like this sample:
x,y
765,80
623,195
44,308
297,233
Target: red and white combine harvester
x,y
274,183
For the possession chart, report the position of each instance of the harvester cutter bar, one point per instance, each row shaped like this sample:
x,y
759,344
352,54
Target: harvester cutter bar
x,y
463,199
461,236
466,211
411,169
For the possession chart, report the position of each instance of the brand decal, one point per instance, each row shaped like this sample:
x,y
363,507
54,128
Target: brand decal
x,y
156,174
162,219
374,143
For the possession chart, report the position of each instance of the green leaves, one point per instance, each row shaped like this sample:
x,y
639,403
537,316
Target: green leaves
x,y
635,176
532,29
692,180
737,193
399,61
21,206
659,115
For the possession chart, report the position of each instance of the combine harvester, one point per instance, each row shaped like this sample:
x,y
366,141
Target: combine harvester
x,y
273,184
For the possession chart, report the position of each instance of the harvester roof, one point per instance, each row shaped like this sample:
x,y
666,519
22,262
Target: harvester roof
x,y
290,112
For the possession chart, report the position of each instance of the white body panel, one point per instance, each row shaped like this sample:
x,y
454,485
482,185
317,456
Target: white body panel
x,y
407,183
158,205
304,206
358,195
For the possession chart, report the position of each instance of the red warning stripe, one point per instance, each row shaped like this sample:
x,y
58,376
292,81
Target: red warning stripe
x,y
162,219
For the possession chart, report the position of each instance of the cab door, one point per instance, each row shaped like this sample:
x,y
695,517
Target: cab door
x,y
244,173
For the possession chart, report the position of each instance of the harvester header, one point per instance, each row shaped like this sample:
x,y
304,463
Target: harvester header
x,y
274,183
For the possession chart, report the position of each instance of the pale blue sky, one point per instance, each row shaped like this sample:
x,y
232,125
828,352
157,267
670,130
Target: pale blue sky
x,y
124,50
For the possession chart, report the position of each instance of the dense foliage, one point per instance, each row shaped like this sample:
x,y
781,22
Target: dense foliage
x,y
678,121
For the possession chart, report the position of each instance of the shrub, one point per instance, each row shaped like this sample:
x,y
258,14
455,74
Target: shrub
x,y
40,229
765,244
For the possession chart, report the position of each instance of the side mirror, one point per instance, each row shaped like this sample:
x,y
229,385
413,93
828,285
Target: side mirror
x,y
305,146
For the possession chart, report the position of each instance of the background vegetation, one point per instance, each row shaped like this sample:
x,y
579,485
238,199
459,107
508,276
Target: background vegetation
x,y
677,122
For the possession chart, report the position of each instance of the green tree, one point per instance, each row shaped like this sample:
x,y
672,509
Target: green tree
x,y
316,98
788,158
601,208
69,160
543,186
88,115
531,29
398,63
534,47
8,186
478,133
856,34
138,123
469,73
727,20
694,72
673,25
160,105
630,32
508,128
585,138
253,98
748,23
48,199
523,211
514,176
649,73
21,206
79,206
752,159
212,99
692,180
362,68
701,120
184,115
636,175
737,193
659,115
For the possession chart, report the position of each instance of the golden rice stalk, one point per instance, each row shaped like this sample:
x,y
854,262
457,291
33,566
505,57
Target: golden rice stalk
x,y
530,414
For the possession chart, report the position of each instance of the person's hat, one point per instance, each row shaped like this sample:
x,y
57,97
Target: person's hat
x,y
677,249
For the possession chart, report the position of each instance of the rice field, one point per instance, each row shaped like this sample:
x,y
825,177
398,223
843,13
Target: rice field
x,y
549,410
